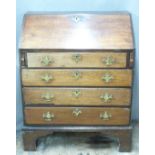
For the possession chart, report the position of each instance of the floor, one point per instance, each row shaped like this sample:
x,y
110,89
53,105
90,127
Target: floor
x,y
75,144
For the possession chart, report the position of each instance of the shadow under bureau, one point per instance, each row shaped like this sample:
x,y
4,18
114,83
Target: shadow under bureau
x,y
76,73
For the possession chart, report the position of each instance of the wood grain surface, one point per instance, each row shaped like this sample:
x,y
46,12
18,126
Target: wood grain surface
x,y
77,31
77,59
88,116
68,77
77,96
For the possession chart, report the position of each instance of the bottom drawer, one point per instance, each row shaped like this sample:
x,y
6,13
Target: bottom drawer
x,y
76,116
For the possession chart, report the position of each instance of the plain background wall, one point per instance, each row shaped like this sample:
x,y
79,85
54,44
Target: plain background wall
x,y
24,6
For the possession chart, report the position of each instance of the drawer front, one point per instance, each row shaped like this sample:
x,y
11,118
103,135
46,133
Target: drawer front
x,y
74,77
77,59
78,96
76,116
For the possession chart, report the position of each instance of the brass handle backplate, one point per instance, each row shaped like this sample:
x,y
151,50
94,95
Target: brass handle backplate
x,y
77,112
47,78
105,116
47,116
76,57
107,77
77,75
106,97
108,61
47,97
46,60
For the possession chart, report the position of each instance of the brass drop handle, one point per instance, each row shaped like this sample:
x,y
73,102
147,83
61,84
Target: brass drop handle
x,y
107,77
77,75
76,93
105,116
76,57
106,97
77,112
108,61
46,60
46,78
47,97
47,116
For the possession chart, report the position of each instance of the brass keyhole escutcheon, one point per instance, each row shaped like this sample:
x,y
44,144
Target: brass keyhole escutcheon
x,y
48,116
105,116
76,19
77,75
76,57
77,112
76,93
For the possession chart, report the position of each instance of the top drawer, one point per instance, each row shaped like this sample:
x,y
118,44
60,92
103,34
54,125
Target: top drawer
x,y
77,60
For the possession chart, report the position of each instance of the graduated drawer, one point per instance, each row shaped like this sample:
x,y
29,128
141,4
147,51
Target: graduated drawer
x,y
77,59
76,116
78,96
76,77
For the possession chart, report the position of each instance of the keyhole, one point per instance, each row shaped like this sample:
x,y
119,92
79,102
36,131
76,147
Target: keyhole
x,y
76,19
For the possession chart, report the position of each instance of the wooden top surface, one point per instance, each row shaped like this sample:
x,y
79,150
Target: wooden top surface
x,y
77,31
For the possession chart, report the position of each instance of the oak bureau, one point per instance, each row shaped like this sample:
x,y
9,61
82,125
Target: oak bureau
x,y
76,75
